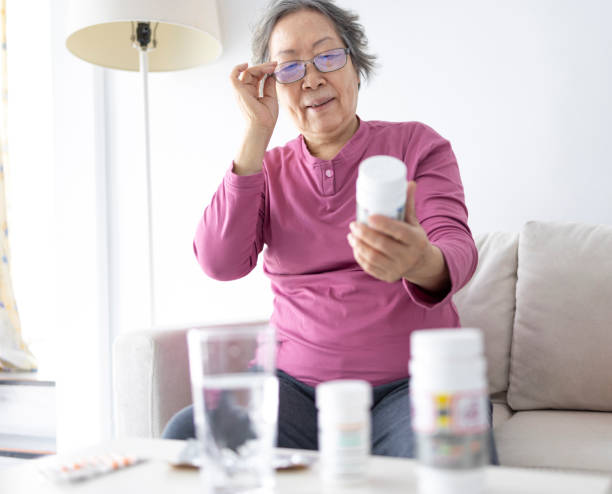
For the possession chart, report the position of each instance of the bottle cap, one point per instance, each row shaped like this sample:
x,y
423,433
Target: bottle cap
x,y
444,344
381,184
345,394
382,169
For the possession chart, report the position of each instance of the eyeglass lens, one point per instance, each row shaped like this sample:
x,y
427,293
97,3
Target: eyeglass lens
x,y
325,62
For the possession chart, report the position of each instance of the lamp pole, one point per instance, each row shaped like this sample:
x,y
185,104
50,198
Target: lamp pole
x,y
143,42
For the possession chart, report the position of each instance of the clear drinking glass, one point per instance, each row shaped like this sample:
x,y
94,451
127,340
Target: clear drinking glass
x,y
235,398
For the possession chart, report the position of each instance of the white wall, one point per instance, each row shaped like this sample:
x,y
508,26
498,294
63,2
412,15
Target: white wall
x,y
80,246
520,88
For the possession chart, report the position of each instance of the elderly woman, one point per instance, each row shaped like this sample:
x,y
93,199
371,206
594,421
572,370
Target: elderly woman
x,y
346,296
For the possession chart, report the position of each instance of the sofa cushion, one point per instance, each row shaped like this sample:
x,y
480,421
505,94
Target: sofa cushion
x,y
150,380
562,339
487,302
501,414
556,439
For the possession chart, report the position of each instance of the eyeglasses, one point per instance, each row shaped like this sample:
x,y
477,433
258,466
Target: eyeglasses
x,y
328,61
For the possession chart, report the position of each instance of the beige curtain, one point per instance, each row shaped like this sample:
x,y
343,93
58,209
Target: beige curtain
x,y
14,354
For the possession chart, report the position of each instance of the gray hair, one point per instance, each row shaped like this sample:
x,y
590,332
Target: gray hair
x,y
350,31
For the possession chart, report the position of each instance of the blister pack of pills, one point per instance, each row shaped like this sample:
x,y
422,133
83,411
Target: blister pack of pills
x,y
78,469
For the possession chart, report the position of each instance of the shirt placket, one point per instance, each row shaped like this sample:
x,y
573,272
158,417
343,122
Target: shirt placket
x,y
328,179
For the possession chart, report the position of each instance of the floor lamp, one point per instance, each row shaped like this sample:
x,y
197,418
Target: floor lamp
x,y
150,36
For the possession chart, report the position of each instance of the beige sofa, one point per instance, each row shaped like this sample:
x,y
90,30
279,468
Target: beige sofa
x,y
543,298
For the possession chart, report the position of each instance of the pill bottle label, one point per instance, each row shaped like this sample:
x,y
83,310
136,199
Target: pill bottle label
x,y
344,449
363,213
451,429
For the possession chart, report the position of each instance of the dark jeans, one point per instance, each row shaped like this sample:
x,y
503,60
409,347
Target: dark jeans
x,y
297,419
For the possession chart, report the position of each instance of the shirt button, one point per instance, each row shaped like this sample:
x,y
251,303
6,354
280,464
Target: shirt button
x,y
329,173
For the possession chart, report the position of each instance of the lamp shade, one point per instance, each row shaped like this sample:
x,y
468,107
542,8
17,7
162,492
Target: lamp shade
x,y
100,31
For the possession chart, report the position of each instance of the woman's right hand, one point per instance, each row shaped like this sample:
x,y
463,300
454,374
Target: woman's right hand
x,y
261,114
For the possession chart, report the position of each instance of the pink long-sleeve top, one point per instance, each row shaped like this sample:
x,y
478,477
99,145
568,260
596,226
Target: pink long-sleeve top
x,y
334,320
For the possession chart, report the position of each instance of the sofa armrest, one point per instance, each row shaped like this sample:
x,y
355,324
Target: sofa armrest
x,y
150,380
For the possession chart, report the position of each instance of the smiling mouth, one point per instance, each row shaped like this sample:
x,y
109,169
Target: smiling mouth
x,y
321,104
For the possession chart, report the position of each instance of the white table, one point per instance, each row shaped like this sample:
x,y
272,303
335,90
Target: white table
x,y
386,475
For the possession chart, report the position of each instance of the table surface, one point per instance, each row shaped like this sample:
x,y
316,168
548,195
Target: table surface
x,y
388,475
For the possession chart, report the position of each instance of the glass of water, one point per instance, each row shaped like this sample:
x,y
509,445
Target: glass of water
x,y
235,398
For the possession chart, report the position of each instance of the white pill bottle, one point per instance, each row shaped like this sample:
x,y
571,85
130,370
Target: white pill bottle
x,y
381,188
344,430
448,393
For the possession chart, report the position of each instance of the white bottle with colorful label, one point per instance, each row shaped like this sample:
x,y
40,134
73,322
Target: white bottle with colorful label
x,y
381,188
448,393
344,430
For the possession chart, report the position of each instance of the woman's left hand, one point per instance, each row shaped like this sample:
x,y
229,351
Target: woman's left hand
x,y
390,250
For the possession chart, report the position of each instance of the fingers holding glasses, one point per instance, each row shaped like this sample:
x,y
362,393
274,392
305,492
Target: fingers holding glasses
x,y
268,89
251,75
259,109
